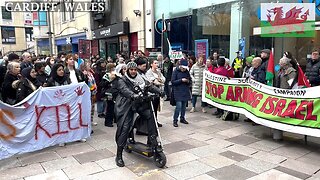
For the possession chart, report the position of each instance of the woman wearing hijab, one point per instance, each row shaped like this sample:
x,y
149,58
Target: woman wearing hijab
x,y
58,77
28,84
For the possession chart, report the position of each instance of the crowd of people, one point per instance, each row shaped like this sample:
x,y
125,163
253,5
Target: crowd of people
x,y
114,82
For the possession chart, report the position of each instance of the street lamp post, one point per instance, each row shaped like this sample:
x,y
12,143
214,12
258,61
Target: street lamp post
x,y
50,34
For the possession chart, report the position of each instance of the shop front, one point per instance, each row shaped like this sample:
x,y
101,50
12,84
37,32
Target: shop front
x,y
43,46
70,43
224,24
113,39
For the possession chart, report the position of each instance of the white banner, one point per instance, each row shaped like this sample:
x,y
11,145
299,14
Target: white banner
x,y
292,110
47,117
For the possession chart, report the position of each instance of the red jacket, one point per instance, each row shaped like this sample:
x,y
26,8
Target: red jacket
x,y
222,71
230,71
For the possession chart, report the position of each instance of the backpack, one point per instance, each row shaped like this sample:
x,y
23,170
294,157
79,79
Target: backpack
x,y
230,116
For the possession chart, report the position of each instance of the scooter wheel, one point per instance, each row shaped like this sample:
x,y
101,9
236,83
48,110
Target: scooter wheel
x,y
127,149
160,159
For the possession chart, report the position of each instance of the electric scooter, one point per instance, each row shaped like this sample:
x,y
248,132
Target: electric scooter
x,y
154,150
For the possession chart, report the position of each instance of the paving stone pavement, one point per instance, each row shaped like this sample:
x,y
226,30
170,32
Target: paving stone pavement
x,y
206,148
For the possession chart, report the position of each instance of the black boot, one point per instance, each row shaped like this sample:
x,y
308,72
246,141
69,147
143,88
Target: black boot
x,y
119,160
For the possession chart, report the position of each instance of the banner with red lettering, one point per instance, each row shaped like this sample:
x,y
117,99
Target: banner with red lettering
x,y
47,117
292,110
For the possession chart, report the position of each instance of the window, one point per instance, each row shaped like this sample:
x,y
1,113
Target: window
x,y
40,18
6,14
8,35
63,11
29,34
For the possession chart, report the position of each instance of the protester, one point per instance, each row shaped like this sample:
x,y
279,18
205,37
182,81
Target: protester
x,y
167,69
180,83
229,68
99,73
41,76
28,84
155,76
128,101
222,71
85,67
58,76
106,84
26,61
196,73
285,79
237,65
10,83
313,68
258,73
74,74
265,55
49,64
247,70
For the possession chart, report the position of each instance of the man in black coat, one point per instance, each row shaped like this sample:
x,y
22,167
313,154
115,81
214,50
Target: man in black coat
x,y
130,100
313,68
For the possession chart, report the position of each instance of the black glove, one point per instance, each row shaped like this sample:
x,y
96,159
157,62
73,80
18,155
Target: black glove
x,y
162,94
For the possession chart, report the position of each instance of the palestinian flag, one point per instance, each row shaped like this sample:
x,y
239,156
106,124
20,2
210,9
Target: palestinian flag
x,y
302,79
166,46
270,69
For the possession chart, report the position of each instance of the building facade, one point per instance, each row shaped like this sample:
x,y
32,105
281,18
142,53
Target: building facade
x,y
16,31
223,24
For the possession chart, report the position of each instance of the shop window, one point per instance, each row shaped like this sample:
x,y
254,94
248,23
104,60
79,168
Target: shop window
x,y
29,34
6,14
40,18
8,35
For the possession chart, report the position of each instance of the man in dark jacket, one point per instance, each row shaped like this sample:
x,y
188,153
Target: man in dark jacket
x,y
265,55
258,73
313,68
130,100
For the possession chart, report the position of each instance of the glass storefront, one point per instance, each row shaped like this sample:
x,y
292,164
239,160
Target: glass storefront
x,y
224,24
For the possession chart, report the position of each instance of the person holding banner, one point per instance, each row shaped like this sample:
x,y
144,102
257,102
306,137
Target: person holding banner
x,y
28,84
258,73
10,83
58,77
180,83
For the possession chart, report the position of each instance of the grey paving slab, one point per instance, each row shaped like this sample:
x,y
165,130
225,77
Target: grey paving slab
x,y
156,175
256,165
291,151
266,145
57,164
102,144
245,150
217,161
274,175
55,175
231,172
269,157
180,158
205,151
312,158
235,131
74,149
82,170
234,156
9,163
243,140
176,147
202,177
188,170
225,125
292,172
20,172
195,143
175,137
300,166
219,142
142,165
208,130
109,163
36,157
118,173
93,156
200,136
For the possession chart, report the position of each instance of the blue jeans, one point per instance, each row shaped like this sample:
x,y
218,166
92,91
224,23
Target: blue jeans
x,y
194,101
180,109
101,106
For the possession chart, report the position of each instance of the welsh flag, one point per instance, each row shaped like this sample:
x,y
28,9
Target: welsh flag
x,y
302,79
270,69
